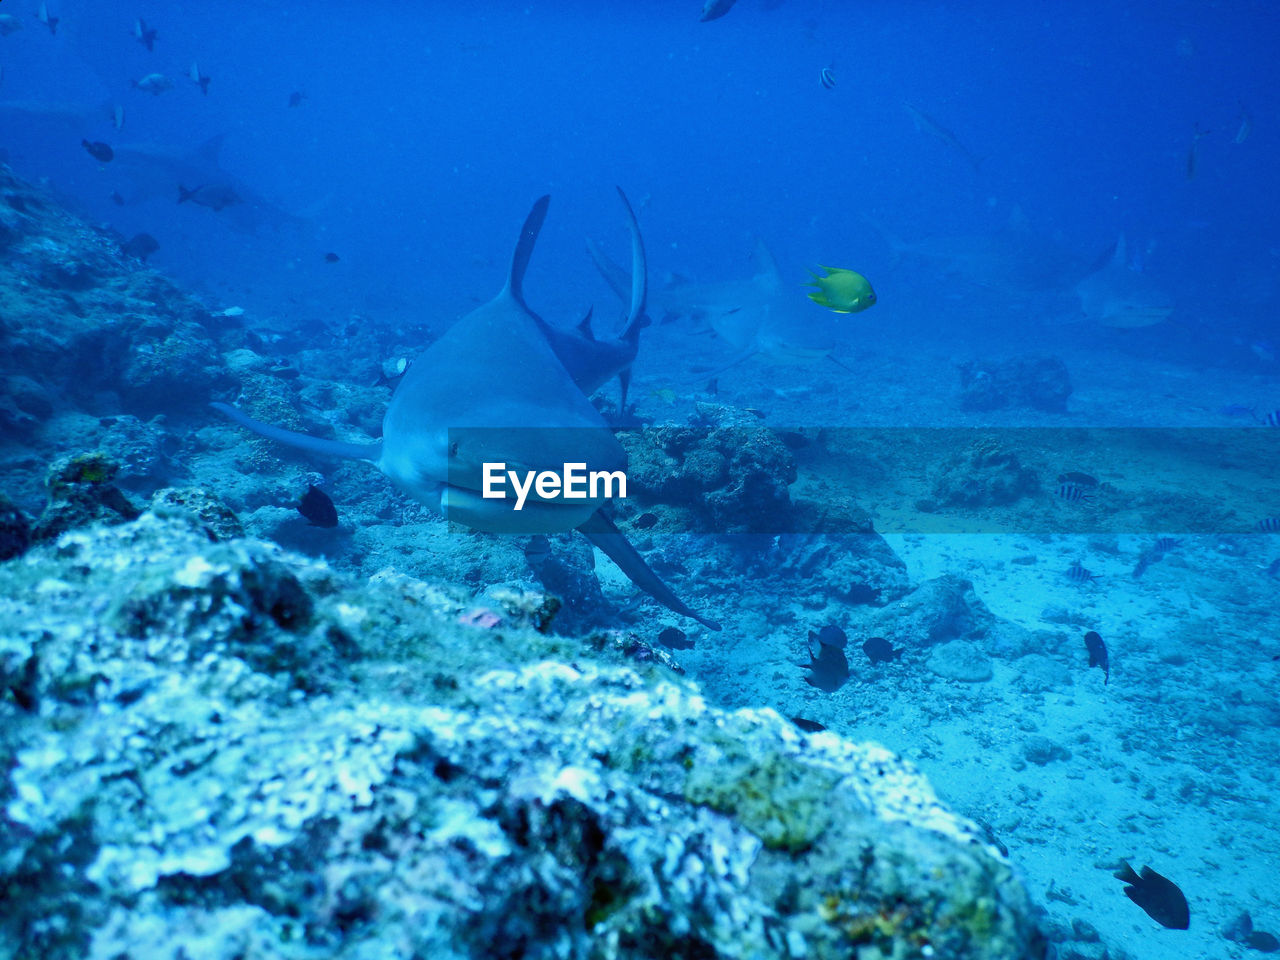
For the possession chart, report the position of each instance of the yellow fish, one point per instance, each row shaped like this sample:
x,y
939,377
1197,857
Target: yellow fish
x,y
843,291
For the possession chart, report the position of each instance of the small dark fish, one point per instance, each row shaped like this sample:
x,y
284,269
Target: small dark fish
x,y
537,551
830,636
808,726
1193,151
1074,493
1157,895
715,9
1078,573
645,521
675,638
1079,479
880,650
331,258
144,35
296,98
43,16
1098,654
1268,525
116,198
198,78
827,78
829,669
100,151
1263,942
140,245
318,508
215,196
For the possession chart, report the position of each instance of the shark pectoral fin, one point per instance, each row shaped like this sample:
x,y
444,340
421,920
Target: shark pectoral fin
x,y
330,448
602,533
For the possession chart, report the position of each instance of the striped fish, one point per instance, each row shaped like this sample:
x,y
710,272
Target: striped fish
x,y
1268,525
1077,573
1074,493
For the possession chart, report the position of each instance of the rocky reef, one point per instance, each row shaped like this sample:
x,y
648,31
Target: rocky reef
x,y
223,749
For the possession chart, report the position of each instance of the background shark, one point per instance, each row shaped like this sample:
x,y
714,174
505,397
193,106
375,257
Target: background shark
x,y
1118,295
761,315
152,171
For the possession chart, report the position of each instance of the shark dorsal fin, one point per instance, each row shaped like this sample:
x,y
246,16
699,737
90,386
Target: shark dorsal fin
x,y
524,249
1120,258
584,326
767,274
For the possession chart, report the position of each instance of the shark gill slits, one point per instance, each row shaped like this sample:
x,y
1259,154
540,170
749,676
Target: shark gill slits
x,y
1272,419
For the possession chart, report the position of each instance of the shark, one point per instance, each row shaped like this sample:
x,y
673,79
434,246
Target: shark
x,y
1014,259
492,389
170,173
1117,295
592,362
755,316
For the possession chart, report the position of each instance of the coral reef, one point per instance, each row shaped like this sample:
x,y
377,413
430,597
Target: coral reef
x,y
223,749
985,474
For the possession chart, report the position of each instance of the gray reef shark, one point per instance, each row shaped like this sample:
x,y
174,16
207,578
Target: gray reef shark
x,y
169,173
591,362
492,389
1014,260
755,316
1116,295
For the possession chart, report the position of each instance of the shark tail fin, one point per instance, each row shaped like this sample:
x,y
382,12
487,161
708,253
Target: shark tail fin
x,y
612,273
524,249
184,194
639,272
329,448
603,534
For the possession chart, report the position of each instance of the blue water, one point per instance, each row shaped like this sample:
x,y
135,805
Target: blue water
x,y
427,130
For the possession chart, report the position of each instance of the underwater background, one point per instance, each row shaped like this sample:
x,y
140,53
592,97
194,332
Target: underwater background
x,y
232,727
